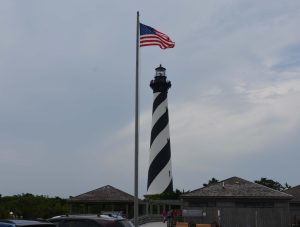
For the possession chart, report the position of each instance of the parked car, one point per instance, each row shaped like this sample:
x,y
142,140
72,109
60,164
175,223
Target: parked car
x,y
24,223
108,220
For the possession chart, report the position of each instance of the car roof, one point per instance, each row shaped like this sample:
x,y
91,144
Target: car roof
x,y
96,217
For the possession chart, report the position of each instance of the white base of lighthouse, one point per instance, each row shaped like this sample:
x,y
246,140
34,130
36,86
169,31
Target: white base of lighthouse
x,y
162,181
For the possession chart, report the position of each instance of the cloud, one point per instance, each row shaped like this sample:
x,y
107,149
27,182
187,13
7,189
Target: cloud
x,y
289,59
203,133
67,88
272,111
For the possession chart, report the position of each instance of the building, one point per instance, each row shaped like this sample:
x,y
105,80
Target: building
x,y
111,199
231,202
237,202
294,205
104,199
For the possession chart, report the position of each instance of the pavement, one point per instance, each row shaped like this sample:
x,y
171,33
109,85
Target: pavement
x,y
155,224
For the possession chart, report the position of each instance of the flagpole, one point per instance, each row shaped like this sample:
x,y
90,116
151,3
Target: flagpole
x,y
136,153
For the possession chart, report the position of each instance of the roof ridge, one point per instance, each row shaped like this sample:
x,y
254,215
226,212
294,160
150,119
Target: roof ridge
x,y
271,189
237,187
295,187
91,191
103,189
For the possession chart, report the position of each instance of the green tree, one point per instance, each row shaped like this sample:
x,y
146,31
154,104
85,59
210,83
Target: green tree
x,y
211,181
31,207
272,184
287,186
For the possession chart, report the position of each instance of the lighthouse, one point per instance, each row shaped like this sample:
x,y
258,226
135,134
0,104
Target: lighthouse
x,y
160,168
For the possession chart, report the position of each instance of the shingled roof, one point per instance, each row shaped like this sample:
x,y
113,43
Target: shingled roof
x,y
295,192
107,193
236,187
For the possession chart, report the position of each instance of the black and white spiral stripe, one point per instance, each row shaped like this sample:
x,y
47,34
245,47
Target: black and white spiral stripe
x,y
160,169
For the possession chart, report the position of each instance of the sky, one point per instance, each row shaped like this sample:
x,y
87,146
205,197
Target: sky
x,y
67,86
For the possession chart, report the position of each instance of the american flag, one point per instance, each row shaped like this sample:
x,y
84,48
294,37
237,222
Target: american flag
x,y
151,37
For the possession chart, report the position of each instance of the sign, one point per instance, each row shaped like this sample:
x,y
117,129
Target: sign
x,y
193,212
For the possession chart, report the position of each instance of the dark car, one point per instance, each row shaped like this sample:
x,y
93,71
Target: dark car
x,y
24,223
90,221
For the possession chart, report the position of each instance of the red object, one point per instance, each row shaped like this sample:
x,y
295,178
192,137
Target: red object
x,y
164,214
151,37
172,213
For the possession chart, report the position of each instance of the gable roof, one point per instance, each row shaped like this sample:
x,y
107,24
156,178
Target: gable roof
x,y
107,193
295,192
236,187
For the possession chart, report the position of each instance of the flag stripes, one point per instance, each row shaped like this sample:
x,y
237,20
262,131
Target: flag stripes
x,y
152,37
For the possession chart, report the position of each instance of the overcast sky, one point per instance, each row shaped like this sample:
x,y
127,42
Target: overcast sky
x,y
67,75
